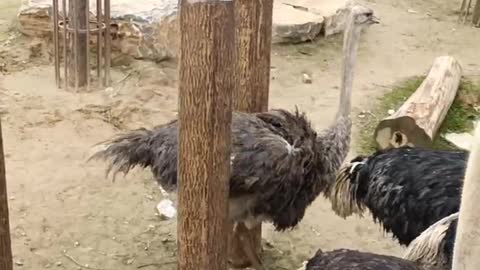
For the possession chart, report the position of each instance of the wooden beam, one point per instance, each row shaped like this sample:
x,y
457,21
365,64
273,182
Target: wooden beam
x,y
467,240
205,113
253,29
417,121
6,261
78,44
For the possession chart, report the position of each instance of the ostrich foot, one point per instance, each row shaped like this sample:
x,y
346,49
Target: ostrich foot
x,y
246,240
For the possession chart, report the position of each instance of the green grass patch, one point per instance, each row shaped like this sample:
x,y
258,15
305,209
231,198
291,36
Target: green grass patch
x,y
460,117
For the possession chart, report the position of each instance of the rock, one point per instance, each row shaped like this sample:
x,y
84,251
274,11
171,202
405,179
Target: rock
x,y
148,29
333,13
34,18
166,209
306,78
291,24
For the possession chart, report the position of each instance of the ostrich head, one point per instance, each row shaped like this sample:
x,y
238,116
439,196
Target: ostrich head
x,y
345,194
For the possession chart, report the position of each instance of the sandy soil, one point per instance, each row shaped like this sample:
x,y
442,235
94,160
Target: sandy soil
x,y
63,210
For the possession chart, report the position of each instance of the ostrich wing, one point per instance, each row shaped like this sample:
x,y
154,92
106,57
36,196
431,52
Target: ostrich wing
x,y
273,158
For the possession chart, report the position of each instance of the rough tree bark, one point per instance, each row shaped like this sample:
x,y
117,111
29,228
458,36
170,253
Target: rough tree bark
x,y
417,121
253,29
205,112
467,241
78,68
6,262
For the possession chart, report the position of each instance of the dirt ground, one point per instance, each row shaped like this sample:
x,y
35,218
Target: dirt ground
x,y
65,212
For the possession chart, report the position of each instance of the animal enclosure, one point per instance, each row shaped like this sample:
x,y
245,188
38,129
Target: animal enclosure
x,y
64,212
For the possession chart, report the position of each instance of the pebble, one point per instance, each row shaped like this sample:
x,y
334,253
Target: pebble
x,y
306,78
166,209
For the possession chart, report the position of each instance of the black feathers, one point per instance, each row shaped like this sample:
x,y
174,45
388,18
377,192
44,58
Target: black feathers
x,y
408,189
344,259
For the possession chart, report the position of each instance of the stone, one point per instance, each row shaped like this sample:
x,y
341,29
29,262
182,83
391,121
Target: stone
x,y
149,29
293,24
333,13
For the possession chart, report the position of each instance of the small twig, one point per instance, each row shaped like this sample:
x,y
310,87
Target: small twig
x,y
126,77
79,264
155,264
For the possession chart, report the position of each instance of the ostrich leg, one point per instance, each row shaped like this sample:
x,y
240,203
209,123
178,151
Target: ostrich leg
x,y
241,231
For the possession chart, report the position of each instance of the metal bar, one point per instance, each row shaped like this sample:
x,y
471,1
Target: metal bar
x,y
107,43
55,42
75,41
87,37
65,48
99,37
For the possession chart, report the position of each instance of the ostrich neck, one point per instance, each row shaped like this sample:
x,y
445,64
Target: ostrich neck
x,y
350,45
335,141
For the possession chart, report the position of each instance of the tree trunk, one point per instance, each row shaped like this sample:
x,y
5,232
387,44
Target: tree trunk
x,y
78,44
253,25
417,121
205,113
467,241
6,262
476,14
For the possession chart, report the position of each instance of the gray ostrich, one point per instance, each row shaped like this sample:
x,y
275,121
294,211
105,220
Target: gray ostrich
x,y
279,163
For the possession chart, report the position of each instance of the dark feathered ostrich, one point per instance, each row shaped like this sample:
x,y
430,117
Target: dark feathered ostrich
x,y
449,244
431,250
279,163
406,189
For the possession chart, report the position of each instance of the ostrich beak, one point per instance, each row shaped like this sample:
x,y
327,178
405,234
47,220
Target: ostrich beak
x,y
375,20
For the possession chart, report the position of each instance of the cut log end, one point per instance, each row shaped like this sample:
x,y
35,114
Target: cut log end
x,y
400,132
418,120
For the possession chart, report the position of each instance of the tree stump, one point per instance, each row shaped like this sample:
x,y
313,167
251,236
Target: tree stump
x,y
206,83
417,121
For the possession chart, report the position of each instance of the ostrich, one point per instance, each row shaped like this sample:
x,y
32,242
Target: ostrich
x,y
406,189
449,244
431,250
279,163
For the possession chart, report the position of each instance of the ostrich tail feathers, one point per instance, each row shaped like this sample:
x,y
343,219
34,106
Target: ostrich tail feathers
x,y
124,152
427,248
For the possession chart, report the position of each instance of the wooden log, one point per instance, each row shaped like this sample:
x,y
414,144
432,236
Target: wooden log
x,y
417,121
6,261
253,29
467,240
206,82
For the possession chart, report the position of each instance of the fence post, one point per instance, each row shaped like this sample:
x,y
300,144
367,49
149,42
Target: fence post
x,y
253,29
205,114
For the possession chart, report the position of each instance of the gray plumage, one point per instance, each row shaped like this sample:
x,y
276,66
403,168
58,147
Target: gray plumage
x,y
279,163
